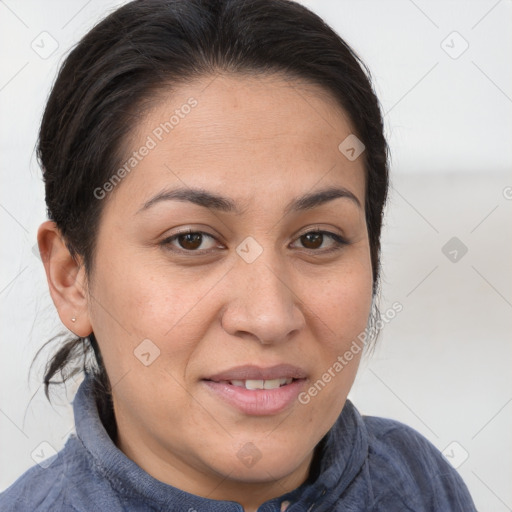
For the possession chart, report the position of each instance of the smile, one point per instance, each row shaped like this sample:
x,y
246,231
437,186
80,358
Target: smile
x,y
258,391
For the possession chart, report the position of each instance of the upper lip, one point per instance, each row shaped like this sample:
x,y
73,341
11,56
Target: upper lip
x,y
252,372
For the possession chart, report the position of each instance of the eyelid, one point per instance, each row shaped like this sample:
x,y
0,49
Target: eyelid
x,y
317,228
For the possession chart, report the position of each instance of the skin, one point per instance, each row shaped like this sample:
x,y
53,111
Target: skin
x,y
261,141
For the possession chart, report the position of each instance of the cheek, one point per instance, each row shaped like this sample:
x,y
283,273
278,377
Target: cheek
x,y
343,303
134,303
340,314
137,297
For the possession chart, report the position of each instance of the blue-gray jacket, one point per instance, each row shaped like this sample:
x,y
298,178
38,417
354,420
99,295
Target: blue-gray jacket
x,y
365,464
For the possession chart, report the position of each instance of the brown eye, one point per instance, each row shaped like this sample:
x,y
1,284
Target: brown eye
x,y
321,241
312,240
190,241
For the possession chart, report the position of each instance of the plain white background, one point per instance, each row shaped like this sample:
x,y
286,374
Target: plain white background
x,y
442,71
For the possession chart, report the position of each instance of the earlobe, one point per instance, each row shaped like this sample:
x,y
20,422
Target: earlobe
x,y
66,279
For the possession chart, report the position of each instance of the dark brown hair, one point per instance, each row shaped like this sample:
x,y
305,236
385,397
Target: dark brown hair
x,y
148,46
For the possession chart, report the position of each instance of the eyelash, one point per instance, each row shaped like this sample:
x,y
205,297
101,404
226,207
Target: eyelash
x,y
339,242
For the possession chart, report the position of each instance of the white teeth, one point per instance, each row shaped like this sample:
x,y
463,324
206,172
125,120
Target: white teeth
x,y
272,384
254,384
261,384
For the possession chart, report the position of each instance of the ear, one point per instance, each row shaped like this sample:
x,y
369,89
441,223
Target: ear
x,y
66,279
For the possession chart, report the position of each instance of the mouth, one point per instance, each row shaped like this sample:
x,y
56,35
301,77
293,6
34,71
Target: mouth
x,y
258,391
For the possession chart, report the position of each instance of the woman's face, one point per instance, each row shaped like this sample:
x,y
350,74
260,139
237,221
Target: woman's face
x,y
189,324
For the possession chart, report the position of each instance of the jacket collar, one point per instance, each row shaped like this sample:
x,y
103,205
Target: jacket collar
x,y
338,458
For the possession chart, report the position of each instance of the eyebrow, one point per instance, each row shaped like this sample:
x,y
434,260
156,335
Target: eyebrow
x,y
221,203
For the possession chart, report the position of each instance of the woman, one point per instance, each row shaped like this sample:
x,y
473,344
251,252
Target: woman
x,y
215,176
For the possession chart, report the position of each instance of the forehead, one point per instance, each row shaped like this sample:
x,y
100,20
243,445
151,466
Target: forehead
x,y
242,135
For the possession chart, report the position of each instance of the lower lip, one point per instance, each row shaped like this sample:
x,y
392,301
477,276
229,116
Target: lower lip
x,y
257,402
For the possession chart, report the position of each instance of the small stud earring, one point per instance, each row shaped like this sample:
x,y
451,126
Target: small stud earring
x,y
73,319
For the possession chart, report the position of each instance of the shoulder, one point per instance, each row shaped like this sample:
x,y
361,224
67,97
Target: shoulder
x,y
404,462
42,487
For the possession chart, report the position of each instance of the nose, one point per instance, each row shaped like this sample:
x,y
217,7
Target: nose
x,y
263,304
